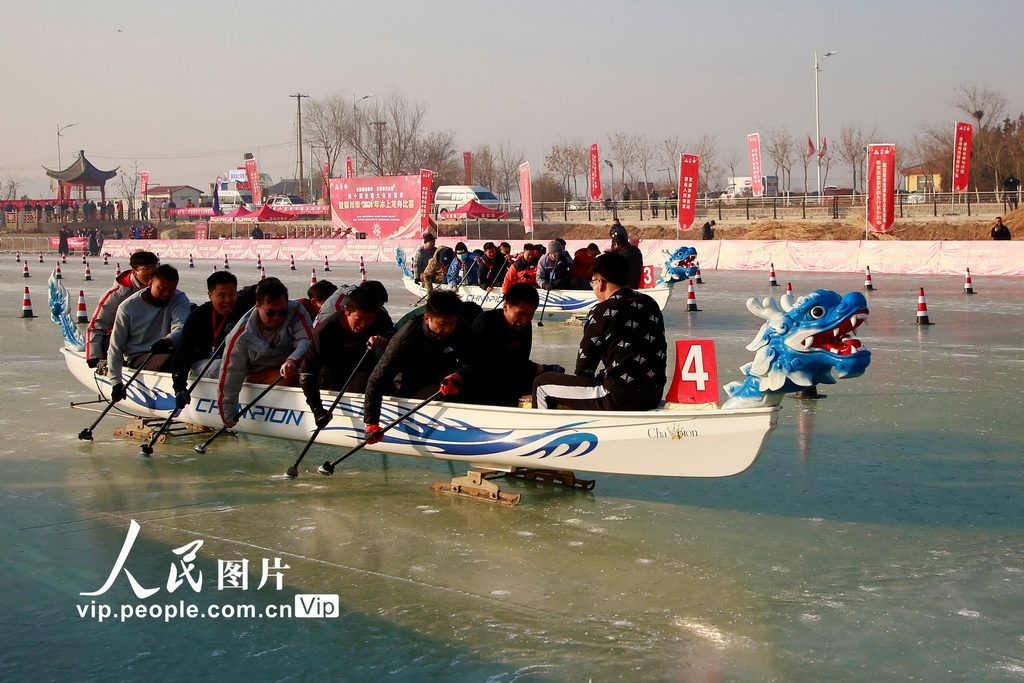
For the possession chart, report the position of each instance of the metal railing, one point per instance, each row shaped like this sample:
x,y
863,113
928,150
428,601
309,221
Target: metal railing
x,y
13,243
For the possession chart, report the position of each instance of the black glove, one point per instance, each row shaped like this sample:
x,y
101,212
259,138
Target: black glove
x,y
321,417
554,368
118,393
101,367
181,399
546,285
417,280
162,346
92,362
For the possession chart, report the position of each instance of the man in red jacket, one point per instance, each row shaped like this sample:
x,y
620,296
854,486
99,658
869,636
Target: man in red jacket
x,y
524,269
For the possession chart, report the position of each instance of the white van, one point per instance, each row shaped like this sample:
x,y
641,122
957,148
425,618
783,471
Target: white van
x,y
232,199
449,197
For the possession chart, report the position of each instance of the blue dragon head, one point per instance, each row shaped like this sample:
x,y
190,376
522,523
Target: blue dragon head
x,y
800,345
680,265
60,313
403,262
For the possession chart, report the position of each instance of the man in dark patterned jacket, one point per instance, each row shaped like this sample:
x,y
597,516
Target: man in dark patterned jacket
x,y
625,332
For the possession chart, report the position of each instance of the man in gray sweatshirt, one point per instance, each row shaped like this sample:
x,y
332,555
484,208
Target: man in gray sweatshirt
x,y
147,324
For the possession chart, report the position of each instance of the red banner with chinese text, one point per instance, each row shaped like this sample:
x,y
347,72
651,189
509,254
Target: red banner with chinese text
x,y
689,172
387,207
754,146
143,184
467,167
426,178
526,196
254,181
325,175
595,174
962,156
349,173
881,187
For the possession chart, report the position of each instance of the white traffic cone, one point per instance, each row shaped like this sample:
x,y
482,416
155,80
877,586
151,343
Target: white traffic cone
x,y
968,286
771,276
82,315
26,304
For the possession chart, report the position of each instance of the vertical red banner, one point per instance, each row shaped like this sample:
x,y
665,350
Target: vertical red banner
x,y
962,156
756,177
254,181
426,178
881,187
143,185
595,174
348,168
325,176
689,173
526,196
467,167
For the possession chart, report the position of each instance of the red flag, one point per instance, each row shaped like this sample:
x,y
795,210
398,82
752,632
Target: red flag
x,y
426,178
467,166
526,196
144,185
689,172
254,180
810,147
595,174
754,147
881,187
824,147
325,176
348,168
962,156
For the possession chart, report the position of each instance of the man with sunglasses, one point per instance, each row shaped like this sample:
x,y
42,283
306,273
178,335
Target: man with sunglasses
x,y
270,343
97,336
625,332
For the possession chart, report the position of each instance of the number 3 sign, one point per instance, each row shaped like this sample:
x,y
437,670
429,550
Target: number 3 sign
x,y
695,378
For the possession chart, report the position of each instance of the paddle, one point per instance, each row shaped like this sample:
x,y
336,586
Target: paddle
x,y
547,293
201,448
86,434
147,448
328,467
293,471
497,278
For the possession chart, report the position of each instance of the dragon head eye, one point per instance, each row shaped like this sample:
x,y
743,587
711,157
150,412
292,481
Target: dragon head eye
x,y
817,312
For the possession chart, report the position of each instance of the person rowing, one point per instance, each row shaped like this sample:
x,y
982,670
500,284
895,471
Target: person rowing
x,y
553,267
97,335
523,269
464,268
272,342
205,330
147,325
624,333
421,356
338,351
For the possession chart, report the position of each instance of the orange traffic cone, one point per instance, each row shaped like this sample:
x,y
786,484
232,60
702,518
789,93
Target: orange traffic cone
x,y
312,277
88,273
26,305
24,271
327,266
41,257
191,263
18,260
867,278
771,276
691,299
922,309
226,266
64,259
105,261
293,263
263,274
698,279
789,289
968,287
82,313
362,270
259,262
56,272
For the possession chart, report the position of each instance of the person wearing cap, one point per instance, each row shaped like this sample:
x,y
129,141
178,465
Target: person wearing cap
x,y
553,267
463,270
523,269
437,268
423,255
492,266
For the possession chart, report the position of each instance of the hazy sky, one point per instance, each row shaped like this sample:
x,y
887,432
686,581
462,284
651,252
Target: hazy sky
x,y
186,87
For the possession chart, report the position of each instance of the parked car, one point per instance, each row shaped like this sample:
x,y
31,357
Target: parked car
x,y
915,198
286,200
450,197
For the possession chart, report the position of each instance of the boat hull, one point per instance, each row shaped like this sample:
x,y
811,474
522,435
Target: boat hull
x,y
556,302
671,443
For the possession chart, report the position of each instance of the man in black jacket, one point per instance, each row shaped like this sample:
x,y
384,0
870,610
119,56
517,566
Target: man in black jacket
x,y
423,357
625,333
634,260
205,328
338,350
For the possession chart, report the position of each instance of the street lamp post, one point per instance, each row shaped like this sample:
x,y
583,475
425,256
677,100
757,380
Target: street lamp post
x,y
59,136
817,123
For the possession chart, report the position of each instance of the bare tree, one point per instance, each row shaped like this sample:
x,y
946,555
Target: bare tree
x,y
438,152
9,189
670,150
388,135
646,159
560,164
507,166
485,170
988,109
731,162
329,124
852,148
781,149
706,147
622,148
127,184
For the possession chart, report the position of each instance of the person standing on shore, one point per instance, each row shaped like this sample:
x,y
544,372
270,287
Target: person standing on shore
x,y
1000,231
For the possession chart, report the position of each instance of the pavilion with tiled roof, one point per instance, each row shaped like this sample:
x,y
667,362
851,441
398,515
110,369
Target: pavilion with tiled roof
x,y
83,175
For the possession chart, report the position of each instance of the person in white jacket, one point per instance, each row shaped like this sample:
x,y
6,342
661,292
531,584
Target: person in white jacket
x,y
146,328
271,341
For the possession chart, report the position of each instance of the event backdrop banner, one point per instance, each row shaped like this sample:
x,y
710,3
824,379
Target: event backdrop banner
x,y
526,196
962,156
689,172
595,174
881,187
386,207
754,147
426,198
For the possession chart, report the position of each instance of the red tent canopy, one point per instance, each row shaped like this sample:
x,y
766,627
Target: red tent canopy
x,y
472,209
238,213
266,214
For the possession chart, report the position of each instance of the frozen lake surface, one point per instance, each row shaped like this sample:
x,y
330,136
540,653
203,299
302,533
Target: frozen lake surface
x,y
880,536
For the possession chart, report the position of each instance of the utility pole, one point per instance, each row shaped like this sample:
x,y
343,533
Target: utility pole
x,y
298,142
